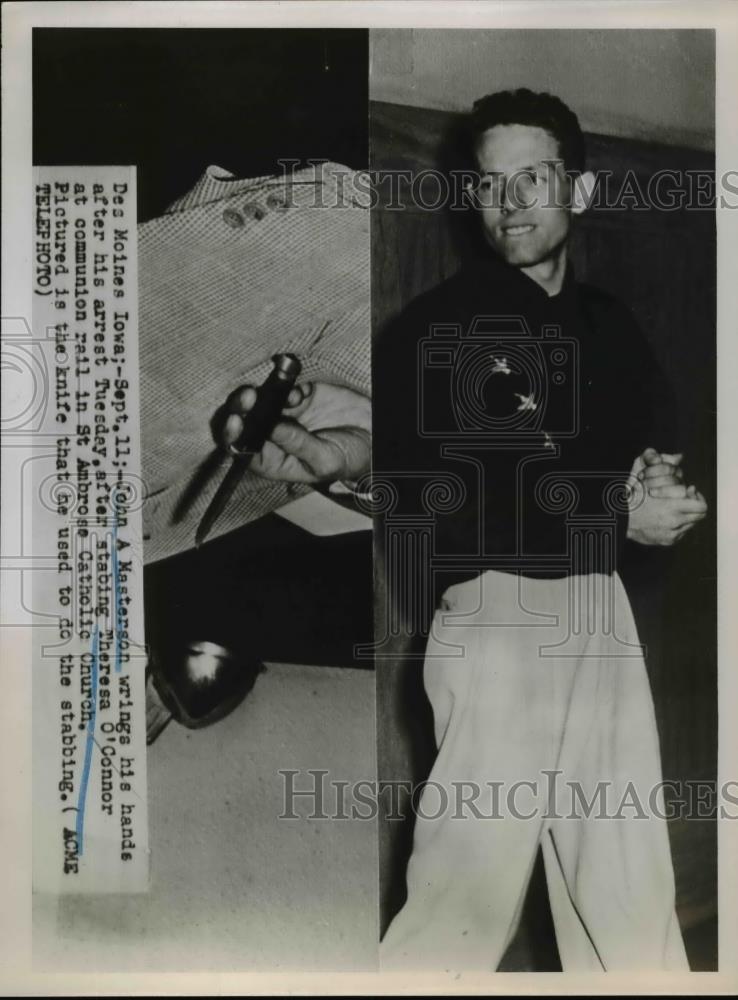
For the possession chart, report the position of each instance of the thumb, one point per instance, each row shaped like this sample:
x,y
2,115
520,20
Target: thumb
x,y
651,456
293,439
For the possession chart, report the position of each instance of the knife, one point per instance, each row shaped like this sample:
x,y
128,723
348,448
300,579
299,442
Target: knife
x,y
258,424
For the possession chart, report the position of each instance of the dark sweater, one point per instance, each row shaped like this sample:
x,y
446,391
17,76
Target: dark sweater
x,y
511,417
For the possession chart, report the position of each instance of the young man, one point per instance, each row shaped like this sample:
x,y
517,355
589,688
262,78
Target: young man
x,y
539,403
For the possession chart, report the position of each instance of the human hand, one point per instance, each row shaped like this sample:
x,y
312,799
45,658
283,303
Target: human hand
x,y
324,434
663,509
658,470
662,476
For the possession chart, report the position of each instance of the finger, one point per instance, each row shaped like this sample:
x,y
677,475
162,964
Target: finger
x,y
692,492
683,520
674,478
273,463
661,469
681,532
678,520
651,456
690,506
241,400
672,459
299,394
671,491
232,428
646,470
656,481
295,440
304,404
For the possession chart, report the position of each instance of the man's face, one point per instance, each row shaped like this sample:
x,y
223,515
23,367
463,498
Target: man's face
x,y
519,194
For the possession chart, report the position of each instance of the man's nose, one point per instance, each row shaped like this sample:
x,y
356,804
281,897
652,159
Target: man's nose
x,y
508,201
514,194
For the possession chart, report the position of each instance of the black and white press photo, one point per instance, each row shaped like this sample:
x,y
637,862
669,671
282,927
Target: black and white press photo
x,y
367,555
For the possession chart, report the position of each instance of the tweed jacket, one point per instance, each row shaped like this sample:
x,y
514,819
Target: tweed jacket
x,y
233,272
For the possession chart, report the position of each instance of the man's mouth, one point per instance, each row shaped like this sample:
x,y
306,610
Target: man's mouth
x,y
517,230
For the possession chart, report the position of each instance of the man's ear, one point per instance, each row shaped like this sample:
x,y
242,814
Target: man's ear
x,y
582,190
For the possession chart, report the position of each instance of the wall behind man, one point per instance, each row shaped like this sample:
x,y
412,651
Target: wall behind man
x,y
657,85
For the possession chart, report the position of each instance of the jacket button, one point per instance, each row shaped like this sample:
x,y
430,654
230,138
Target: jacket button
x,y
253,211
232,218
277,202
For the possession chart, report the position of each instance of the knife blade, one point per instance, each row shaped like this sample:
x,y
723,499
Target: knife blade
x,y
258,424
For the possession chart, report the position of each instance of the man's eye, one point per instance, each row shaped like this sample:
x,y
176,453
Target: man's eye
x,y
490,186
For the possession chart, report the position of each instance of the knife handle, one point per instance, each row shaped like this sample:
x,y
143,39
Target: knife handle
x,y
271,398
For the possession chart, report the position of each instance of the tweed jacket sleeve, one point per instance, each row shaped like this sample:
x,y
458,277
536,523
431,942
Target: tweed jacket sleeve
x,y
233,272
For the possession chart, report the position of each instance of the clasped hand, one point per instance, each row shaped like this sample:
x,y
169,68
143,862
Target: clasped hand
x,y
662,508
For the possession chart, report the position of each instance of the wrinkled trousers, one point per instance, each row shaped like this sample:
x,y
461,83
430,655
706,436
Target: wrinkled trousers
x,y
546,737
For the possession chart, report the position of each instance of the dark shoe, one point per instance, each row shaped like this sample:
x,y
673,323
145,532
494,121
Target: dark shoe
x,y
197,686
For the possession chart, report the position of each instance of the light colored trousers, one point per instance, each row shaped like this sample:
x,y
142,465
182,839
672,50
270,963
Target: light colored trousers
x,y
539,692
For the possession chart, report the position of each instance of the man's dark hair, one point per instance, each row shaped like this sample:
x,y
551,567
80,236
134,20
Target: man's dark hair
x,y
524,107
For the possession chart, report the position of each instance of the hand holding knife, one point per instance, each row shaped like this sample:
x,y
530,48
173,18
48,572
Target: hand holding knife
x,y
259,422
